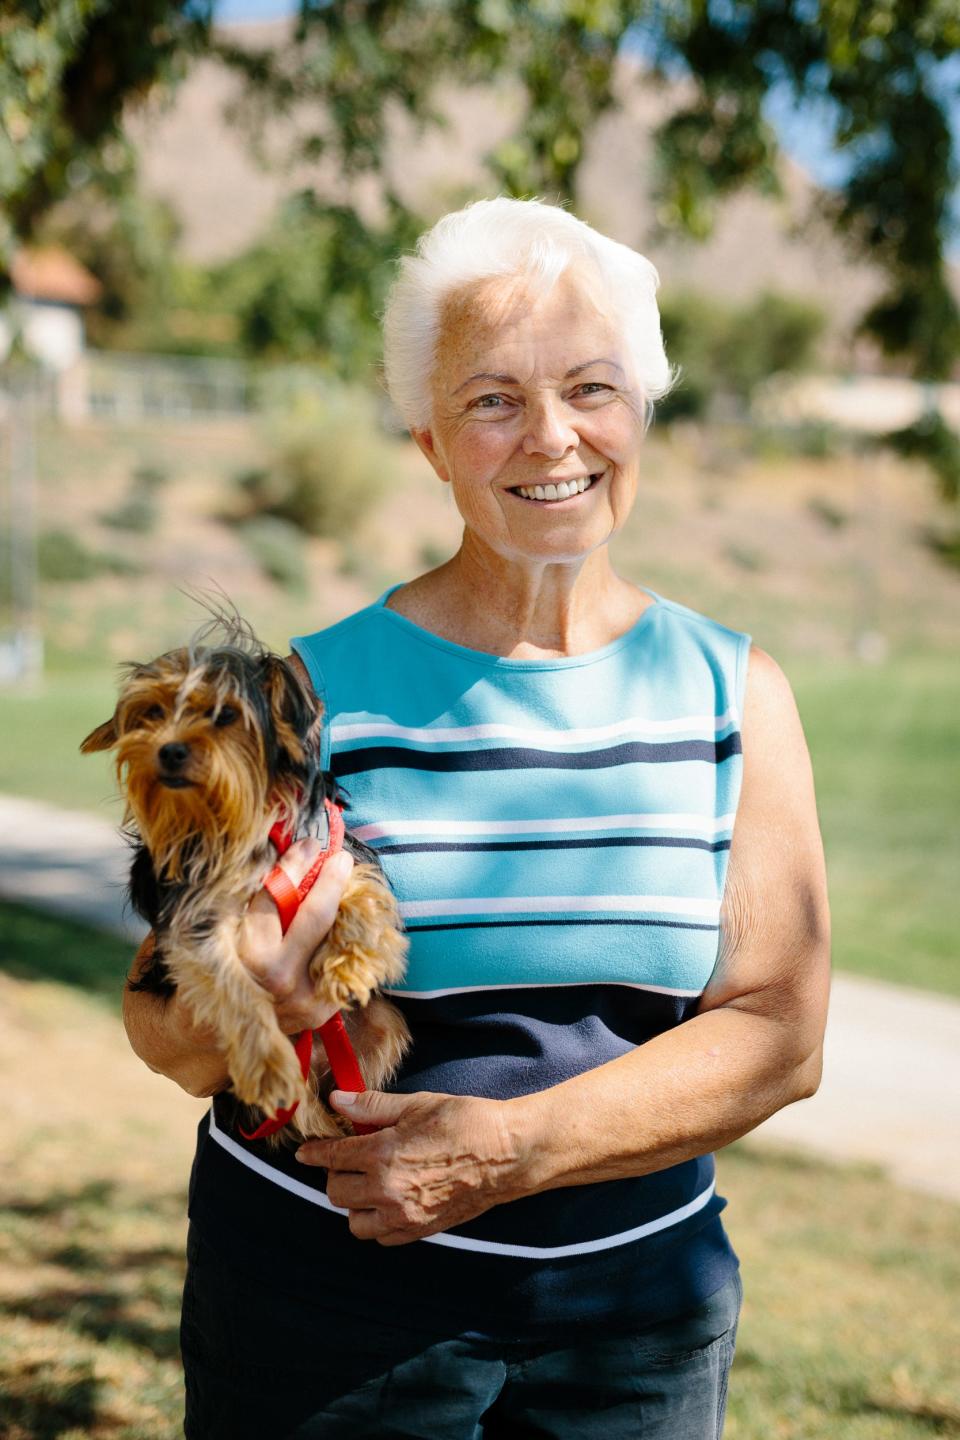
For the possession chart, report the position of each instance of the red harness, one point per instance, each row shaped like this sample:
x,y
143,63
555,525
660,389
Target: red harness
x,y
288,898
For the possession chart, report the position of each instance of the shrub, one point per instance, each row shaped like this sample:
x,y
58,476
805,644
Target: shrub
x,y
62,557
328,462
772,335
729,350
692,327
831,515
931,439
277,546
138,512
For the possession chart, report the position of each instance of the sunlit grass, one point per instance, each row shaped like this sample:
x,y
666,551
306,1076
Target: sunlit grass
x,y
884,742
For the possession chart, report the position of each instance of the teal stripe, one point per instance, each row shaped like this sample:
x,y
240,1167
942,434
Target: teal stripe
x,y
594,954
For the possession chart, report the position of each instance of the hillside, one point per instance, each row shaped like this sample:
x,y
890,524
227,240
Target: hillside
x,y
197,155
811,555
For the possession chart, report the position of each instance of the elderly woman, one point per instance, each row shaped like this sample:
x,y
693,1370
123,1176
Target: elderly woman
x,y
596,809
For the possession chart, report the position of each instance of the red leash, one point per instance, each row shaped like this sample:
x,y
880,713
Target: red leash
x,y
288,898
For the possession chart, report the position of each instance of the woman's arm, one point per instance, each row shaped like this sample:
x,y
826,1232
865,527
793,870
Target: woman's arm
x,y
756,1041
753,1047
161,1029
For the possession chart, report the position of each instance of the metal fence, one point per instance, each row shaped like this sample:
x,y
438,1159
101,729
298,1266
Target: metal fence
x,y
130,388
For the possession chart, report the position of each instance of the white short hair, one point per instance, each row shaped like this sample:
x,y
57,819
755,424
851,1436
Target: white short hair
x,y
514,238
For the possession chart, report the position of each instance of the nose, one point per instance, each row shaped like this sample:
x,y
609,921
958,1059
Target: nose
x,y
549,431
173,756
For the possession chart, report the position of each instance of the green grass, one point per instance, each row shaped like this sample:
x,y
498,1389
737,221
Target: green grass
x,y
47,947
849,1327
884,742
43,728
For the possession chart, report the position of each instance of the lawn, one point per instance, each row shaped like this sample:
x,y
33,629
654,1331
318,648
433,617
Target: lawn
x,y
849,1327
884,743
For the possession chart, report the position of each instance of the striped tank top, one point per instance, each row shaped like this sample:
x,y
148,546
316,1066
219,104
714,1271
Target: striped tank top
x,y
557,835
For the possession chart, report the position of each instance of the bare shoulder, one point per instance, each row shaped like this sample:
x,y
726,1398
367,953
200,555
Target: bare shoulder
x,y
774,919
769,698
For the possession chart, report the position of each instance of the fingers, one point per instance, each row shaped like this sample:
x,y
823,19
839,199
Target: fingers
x,y
280,963
350,1154
318,910
349,1191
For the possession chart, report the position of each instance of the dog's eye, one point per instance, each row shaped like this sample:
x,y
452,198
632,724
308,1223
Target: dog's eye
x,y
225,716
152,712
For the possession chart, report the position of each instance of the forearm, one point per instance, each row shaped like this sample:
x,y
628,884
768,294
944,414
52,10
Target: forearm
x,y
162,1032
685,1093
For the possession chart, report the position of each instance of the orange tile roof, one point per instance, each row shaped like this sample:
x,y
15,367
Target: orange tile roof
x,y
50,273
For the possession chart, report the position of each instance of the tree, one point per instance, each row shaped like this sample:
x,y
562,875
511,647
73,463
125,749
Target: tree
x,y
67,70
67,67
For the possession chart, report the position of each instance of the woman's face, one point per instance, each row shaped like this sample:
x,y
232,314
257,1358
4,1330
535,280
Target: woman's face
x,y
533,392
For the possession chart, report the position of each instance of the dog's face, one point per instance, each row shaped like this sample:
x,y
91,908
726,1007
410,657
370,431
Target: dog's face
x,y
212,745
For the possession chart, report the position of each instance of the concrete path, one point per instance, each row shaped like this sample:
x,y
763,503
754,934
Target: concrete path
x,y
65,861
891,1086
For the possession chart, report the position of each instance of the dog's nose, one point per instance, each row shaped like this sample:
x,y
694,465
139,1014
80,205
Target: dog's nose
x,y
174,755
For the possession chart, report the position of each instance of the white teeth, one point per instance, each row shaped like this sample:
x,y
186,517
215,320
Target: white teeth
x,y
563,491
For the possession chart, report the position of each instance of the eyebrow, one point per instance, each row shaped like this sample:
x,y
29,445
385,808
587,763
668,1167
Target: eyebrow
x,y
512,380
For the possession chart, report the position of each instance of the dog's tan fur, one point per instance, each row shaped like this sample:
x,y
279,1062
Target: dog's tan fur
x,y
210,837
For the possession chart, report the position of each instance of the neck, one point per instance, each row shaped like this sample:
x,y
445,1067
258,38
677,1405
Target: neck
x,y
528,610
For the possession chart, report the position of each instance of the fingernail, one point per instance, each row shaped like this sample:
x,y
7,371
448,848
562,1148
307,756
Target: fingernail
x,y
343,1098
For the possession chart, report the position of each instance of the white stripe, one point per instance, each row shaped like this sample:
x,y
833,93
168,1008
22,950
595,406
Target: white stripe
x,y
585,735
461,1242
700,824
523,904
534,985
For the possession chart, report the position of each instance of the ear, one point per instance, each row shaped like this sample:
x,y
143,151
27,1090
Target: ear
x,y
424,439
294,715
103,738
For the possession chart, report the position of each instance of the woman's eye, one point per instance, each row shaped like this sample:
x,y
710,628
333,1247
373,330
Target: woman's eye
x,y
225,716
593,387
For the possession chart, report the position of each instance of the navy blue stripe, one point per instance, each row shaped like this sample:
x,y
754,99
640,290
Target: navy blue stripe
x,y
669,841
385,757
604,920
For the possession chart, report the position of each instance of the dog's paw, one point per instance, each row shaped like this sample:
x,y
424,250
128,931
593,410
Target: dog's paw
x,y
265,1072
340,981
366,948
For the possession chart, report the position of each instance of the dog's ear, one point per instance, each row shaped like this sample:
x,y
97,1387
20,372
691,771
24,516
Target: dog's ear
x,y
294,711
103,738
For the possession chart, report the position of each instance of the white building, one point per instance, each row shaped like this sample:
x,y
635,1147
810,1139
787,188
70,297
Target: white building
x,y
45,309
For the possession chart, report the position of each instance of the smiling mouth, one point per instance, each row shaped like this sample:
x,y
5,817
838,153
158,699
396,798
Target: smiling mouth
x,y
556,494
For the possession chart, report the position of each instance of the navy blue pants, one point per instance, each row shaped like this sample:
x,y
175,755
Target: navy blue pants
x,y
269,1366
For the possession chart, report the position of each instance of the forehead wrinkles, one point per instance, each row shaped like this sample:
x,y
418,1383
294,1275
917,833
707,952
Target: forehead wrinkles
x,y
485,325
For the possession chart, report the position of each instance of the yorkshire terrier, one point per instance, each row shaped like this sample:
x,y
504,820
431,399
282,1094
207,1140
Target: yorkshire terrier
x,y
217,744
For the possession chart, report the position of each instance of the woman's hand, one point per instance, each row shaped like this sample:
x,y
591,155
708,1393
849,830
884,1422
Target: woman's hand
x,y
281,963
437,1161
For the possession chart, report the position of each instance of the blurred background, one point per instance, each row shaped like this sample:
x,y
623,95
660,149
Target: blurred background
x,y
200,209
